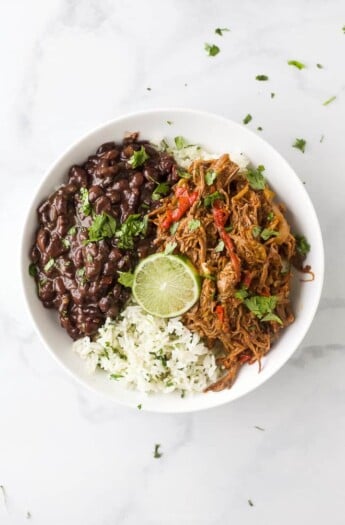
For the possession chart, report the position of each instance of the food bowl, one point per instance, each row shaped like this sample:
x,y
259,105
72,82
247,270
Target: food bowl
x,y
216,135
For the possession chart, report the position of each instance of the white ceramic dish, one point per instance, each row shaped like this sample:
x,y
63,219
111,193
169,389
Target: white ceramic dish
x,y
218,135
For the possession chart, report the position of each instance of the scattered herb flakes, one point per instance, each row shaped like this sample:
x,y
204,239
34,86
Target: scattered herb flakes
x,y
247,119
319,66
267,234
256,230
50,264
169,122
180,142
300,144
302,245
255,178
209,199
116,377
103,226
259,128
162,189
84,200
32,270
261,77
72,231
219,31
273,95
212,50
138,158
322,137
173,227
263,307
242,293
219,247
140,406
259,428
134,226
210,177
126,279
250,503
194,224
329,101
297,64
157,453
169,248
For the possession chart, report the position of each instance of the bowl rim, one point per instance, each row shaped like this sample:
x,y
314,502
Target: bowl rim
x,y
23,254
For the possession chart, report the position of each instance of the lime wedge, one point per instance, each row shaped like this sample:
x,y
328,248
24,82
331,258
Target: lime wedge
x,y
166,285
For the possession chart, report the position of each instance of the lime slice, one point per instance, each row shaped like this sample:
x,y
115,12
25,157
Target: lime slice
x,y
166,285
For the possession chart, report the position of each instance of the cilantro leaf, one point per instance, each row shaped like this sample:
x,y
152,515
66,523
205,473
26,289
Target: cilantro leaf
x,y
65,243
183,174
300,144
272,317
133,226
328,101
103,225
169,122
126,279
173,227
194,224
138,158
116,376
180,142
255,178
219,31
302,245
209,199
256,230
270,216
247,119
210,177
259,128
50,264
261,77
169,248
139,407
242,293
85,204
156,453
212,50
33,270
297,64
273,95
267,234
162,189
343,28
219,247
320,66
72,231
262,307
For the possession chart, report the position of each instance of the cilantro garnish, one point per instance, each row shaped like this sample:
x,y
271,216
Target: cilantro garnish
x,y
33,270
247,119
212,50
273,95
50,264
194,224
138,158
169,248
261,77
103,226
300,144
72,231
133,226
156,453
210,177
320,66
302,245
267,234
169,122
297,64
219,247
255,178
180,142
183,174
161,189
242,293
219,31
328,101
173,227
263,307
209,199
85,204
256,230
126,279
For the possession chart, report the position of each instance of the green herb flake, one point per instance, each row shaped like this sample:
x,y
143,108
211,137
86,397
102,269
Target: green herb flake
x,y
300,144
297,64
209,199
162,189
89,258
255,178
157,453
183,394
194,224
247,119
302,245
273,95
28,515
140,406
80,272
148,89
256,230
319,66
50,264
180,142
169,248
259,428
262,307
259,128
103,226
229,228
250,503
261,77
183,174
321,138
343,29
138,158
169,122
219,31
242,293
72,231
134,226
116,376
32,270
212,50
219,247
85,204
126,279
270,216
65,243
210,177
267,234
329,101
173,227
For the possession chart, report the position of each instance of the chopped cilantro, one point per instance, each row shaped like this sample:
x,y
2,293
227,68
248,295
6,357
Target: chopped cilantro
x,y
242,293
89,258
267,234
219,31
103,226
183,174
261,77
169,248
256,230
85,204
273,95
162,189
80,273
156,453
320,66
302,245
72,231
300,144
250,503
270,216
180,142
134,226
33,270
148,89
169,122
229,228
343,29
139,407
259,428
247,119
138,158
209,199
297,64
219,247
50,264
328,101
173,227
263,307
65,243
256,178
259,128
212,50
194,224
116,376
210,177
126,279
322,137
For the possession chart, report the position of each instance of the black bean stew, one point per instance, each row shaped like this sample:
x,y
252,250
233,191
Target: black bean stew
x,y
96,226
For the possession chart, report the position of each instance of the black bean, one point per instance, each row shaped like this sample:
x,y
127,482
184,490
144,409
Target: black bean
x,y
78,176
114,196
95,192
136,180
102,204
121,184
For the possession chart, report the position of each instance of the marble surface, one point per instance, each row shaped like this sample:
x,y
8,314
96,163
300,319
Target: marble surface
x,y
68,457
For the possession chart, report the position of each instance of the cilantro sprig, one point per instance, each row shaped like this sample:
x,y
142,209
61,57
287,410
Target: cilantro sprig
x,y
255,177
138,158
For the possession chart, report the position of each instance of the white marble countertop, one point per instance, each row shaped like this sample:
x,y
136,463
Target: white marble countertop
x,y
68,457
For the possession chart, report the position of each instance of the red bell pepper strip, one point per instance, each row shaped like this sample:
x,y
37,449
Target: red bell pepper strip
x,y
244,358
220,313
220,216
185,201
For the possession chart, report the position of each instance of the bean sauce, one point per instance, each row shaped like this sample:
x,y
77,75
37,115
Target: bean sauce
x,y
77,277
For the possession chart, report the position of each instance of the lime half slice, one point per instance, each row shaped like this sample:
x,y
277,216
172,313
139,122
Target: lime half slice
x,y
166,285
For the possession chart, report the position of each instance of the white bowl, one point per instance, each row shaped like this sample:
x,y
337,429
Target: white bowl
x,y
217,135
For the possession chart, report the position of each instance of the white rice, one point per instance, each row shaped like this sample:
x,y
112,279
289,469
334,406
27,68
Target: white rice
x,y
150,354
